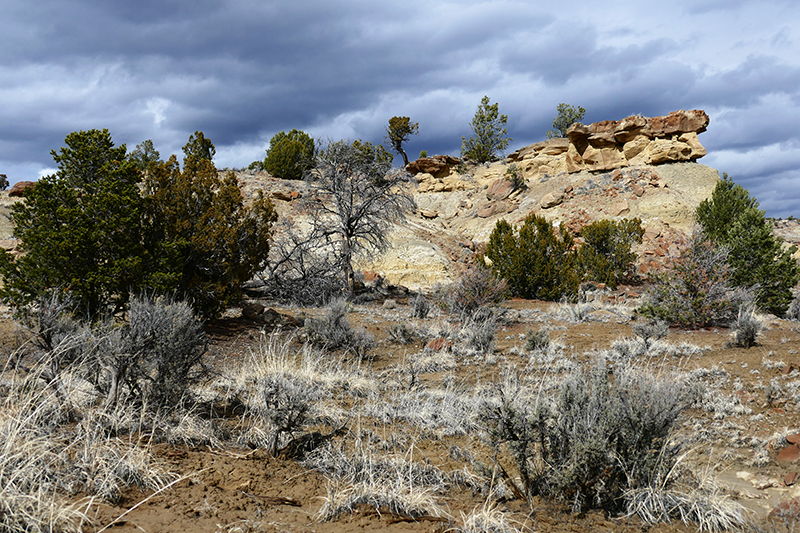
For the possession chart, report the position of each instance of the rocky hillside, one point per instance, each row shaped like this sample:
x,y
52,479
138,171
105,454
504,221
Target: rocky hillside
x,y
635,167
638,167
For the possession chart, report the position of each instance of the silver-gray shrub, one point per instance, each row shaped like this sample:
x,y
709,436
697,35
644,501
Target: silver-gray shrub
x,y
603,433
332,331
164,345
287,402
537,340
420,307
479,329
152,359
747,327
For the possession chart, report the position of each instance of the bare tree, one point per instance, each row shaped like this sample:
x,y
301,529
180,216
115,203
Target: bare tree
x,y
355,197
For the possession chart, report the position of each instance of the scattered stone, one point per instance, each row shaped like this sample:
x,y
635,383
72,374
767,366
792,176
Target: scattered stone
x,y
389,304
793,439
428,213
492,208
286,196
499,189
789,479
763,483
437,345
551,199
618,208
787,510
790,453
252,310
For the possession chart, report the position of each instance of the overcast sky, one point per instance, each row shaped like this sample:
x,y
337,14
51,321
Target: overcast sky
x,y
243,70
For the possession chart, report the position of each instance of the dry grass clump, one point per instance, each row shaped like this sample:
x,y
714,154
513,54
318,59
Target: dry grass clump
x,y
703,505
44,463
746,329
393,484
487,519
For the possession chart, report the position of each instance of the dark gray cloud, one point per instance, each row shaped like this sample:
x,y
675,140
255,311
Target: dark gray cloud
x,y
242,70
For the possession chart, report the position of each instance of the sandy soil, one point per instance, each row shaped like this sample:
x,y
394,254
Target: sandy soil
x,y
235,488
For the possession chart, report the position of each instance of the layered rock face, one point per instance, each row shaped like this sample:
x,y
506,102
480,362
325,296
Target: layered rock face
x,y
635,141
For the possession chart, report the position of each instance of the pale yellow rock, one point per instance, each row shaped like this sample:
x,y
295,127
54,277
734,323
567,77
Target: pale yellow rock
x,y
698,150
552,199
666,151
635,147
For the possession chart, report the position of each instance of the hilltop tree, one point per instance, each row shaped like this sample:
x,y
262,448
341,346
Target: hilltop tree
x,y
144,154
731,218
490,134
567,116
289,155
398,131
198,147
356,198
80,229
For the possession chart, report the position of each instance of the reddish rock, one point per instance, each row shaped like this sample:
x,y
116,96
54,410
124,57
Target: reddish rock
x,y
789,479
790,453
437,345
286,196
793,439
19,189
787,510
438,166
499,189
492,208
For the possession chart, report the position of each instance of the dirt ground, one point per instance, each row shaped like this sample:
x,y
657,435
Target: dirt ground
x,y
231,487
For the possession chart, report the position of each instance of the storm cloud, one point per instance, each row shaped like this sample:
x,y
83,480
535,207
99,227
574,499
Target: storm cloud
x,y
241,71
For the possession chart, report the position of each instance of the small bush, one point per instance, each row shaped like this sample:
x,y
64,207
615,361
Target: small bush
x,y
402,334
747,327
537,260
167,344
696,291
537,340
793,313
332,331
650,331
423,154
289,155
420,307
479,329
606,255
596,439
287,403
515,177
476,288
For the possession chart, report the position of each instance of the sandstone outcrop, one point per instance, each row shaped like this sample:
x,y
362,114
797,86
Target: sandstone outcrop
x,y
635,141
19,188
437,166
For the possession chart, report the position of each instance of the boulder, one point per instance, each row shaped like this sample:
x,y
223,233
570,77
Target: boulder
x,y
437,166
20,188
552,199
499,189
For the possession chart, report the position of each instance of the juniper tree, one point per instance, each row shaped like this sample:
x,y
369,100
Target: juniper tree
x,y
289,155
490,134
398,131
80,229
567,116
757,259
